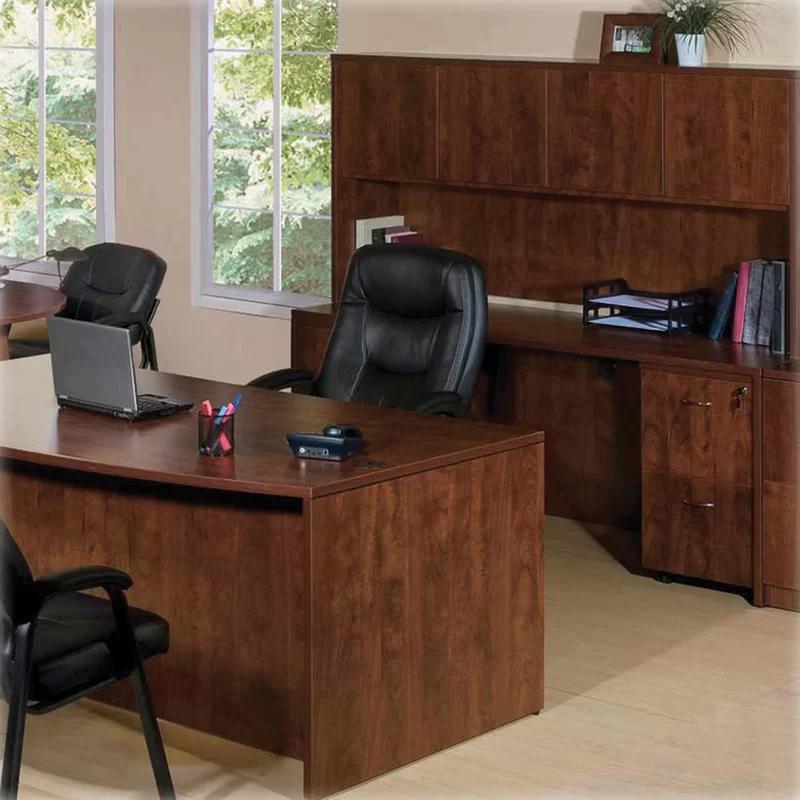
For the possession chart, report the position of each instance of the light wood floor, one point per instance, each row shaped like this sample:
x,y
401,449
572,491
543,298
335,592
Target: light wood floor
x,y
653,691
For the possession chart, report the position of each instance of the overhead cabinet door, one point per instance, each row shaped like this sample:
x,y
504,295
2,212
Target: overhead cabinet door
x,y
605,131
385,118
492,124
727,139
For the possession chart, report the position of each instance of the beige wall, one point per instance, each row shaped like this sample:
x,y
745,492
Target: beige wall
x,y
154,195
545,28
154,131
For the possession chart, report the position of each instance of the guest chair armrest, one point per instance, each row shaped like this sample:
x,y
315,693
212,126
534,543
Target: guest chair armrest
x,y
80,579
443,404
298,380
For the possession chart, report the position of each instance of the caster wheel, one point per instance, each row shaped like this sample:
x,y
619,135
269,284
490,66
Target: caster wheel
x,y
664,578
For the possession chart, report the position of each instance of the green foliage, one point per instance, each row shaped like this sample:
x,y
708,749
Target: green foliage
x,y
243,160
727,23
70,149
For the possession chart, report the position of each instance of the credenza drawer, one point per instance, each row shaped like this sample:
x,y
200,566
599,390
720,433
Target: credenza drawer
x,y
697,527
697,427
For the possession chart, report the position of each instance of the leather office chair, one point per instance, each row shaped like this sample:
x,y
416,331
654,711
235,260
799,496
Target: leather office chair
x,y
410,333
59,645
117,285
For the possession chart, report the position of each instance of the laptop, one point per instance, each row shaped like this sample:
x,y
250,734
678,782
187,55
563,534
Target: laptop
x,y
93,370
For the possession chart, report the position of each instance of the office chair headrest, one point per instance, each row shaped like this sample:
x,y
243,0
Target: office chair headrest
x,y
410,280
111,267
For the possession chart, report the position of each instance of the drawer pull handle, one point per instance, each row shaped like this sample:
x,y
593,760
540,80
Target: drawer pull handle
x,y
698,505
701,403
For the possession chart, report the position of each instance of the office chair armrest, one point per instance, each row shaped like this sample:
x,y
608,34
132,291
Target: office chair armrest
x,y
443,404
80,579
295,379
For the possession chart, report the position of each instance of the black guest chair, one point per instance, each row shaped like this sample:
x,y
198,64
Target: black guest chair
x,y
59,645
410,333
116,285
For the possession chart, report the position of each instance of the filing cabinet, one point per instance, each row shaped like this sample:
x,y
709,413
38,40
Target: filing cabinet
x,y
697,487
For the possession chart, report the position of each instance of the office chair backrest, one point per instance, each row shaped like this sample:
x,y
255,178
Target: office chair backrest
x,y
16,601
412,321
116,279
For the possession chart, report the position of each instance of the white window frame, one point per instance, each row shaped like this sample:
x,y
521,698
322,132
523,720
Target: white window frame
x,y
104,126
205,292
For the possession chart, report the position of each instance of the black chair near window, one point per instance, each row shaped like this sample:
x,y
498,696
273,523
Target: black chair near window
x,y
59,644
410,333
116,284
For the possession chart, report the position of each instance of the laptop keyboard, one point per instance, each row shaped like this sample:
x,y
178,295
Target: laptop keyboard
x,y
145,404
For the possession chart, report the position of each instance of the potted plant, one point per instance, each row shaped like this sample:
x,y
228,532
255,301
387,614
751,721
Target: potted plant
x,y
727,23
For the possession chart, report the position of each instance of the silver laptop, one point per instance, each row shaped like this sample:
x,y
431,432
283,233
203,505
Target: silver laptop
x,y
93,370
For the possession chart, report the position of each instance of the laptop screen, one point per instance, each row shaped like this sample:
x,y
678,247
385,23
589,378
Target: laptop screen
x,y
92,364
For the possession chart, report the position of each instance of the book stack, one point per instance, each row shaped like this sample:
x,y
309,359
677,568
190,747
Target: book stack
x,y
385,230
396,234
754,305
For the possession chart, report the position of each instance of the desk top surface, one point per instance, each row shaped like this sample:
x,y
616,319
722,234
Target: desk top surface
x,y
564,332
33,429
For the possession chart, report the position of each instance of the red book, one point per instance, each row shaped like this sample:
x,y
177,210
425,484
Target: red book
x,y
407,237
741,301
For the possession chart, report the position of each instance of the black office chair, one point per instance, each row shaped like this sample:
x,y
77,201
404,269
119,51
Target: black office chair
x,y
410,333
116,285
59,645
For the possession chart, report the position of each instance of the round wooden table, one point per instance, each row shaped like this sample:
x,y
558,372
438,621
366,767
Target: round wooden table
x,y
20,302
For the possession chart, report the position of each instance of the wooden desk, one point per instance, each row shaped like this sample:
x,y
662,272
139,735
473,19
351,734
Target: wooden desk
x,y
356,616
20,302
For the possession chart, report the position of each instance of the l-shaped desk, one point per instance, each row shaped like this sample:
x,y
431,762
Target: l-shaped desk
x,y
695,443
355,616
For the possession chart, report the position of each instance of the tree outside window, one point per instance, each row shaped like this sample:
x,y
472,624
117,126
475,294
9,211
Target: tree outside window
x,y
269,144
48,125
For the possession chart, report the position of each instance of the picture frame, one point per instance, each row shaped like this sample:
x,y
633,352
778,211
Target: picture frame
x,y
632,39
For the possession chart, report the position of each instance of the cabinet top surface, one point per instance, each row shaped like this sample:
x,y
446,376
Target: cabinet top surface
x,y
754,70
33,429
564,332
785,372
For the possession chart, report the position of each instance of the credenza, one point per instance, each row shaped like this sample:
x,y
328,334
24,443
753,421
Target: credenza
x,y
556,174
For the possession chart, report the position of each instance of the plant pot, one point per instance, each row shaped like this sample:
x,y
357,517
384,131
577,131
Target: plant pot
x,y
691,48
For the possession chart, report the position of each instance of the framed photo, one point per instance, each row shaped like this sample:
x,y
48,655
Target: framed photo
x,y
632,39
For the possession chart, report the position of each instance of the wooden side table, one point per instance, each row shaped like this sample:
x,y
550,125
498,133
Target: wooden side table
x,y
20,302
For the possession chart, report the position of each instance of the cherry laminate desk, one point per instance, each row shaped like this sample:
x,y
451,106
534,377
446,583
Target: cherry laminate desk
x,y
356,616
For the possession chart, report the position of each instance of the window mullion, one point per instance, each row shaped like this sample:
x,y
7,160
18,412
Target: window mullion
x,y
105,212
42,186
277,133
208,146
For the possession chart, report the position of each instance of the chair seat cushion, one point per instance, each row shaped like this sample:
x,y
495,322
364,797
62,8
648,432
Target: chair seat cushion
x,y
74,644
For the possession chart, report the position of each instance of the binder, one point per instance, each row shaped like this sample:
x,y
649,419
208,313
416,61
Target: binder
x,y
741,300
780,330
725,308
753,302
766,312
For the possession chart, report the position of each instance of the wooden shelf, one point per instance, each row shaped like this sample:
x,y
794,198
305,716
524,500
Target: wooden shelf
x,y
564,332
551,191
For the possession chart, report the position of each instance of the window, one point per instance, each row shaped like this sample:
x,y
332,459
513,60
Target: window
x,y
55,125
267,149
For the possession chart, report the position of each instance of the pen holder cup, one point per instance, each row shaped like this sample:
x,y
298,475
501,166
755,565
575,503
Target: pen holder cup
x,y
215,434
